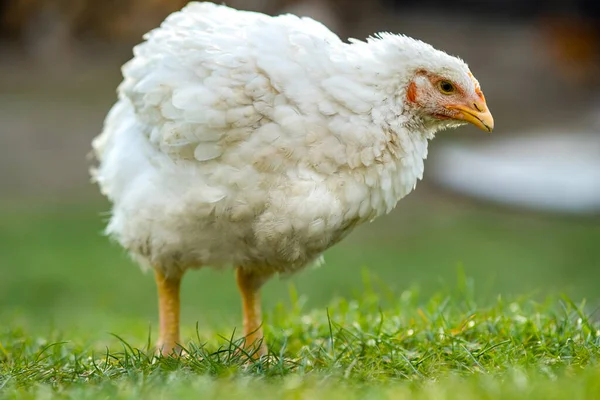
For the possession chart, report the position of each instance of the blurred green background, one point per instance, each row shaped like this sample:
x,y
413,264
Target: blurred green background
x,y
58,270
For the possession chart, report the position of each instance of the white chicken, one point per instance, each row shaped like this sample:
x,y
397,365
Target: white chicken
x,y
256,142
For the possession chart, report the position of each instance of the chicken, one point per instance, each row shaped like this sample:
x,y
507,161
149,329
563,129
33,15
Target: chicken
x,y
255,142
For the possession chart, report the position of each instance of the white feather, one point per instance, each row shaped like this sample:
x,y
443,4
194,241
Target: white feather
x,y
247,140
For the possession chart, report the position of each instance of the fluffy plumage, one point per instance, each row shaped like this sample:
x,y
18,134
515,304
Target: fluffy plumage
x,y
258,142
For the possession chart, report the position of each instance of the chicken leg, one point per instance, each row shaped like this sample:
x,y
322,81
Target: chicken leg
x,y
168,311
249,285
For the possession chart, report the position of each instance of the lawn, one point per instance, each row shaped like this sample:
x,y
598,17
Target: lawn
x,y
443,299
442,348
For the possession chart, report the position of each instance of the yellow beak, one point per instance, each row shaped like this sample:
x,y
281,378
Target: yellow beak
x,y
477,114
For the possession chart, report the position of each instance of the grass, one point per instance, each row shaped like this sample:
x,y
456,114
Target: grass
x,y
78,319
442,348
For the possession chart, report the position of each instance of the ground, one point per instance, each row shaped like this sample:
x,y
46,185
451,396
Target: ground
x,y
443,348
471,302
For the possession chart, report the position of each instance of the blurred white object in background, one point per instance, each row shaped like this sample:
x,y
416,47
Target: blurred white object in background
x,y
552,171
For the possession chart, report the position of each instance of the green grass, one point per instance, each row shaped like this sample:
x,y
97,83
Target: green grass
x,y
443,347
427,332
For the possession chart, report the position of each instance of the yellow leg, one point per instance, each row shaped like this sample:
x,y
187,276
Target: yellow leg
x,y
168,311
249,285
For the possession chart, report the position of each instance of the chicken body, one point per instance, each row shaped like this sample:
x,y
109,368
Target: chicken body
x,y
258,142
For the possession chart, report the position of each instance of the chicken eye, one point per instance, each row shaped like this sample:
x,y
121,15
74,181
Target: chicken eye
x,y
446,87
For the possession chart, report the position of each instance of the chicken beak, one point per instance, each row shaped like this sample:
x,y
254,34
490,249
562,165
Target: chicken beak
x,y
477,114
